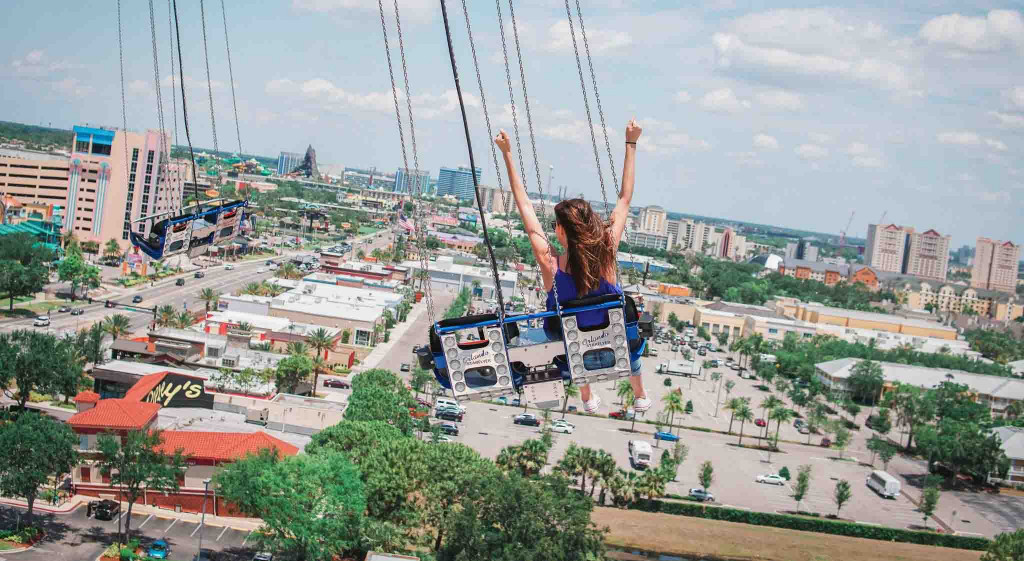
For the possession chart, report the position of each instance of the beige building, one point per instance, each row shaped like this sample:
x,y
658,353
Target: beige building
x,y
886,247
995,265
653,220
34,179
695,236
957,298
816,313
106,192
928,255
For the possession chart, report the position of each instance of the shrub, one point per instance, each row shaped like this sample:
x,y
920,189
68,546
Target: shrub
x,y
668,382
784,473
834,527
22,536
689,406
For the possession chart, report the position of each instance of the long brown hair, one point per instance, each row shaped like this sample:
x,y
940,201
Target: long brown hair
x,y
590,252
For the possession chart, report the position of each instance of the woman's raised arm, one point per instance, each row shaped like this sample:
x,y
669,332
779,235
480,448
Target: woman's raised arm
x,y
534,229
621,212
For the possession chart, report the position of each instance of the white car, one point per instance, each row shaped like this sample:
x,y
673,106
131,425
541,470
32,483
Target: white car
x,y
261,270
41,321
563,427
229,267
771,479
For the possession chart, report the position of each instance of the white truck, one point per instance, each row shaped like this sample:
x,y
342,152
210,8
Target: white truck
x,y
640,454
679,368
884,484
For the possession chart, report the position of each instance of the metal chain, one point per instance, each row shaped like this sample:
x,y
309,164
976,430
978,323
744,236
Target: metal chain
x,y
490,136
184,108
180,191
209,83
165,151
526,103
124,104
590,126
604,127
417,212
231,76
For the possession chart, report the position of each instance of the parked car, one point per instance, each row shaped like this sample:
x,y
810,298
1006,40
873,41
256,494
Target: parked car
x,y
230,267
158,550
666,436
803,429
404,367
701,495
624,415
77,312
528,419
702,352
136,299
338,383
199,274
449,428
179,282
563,426
109,304
269,262
799,423
41,321
715,363
64,309
572,409
261,270
825,442
443,438
106,509
771,479
448,415
760,422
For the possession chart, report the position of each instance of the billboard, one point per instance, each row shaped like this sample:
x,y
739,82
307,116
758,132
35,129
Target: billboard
x,y
178,390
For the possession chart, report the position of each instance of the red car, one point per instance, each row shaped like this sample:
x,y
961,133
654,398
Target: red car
x,y
625,415
336,383
760,422
825,443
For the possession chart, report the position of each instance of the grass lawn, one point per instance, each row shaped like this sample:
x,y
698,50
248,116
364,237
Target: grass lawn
x,y
45,306
684,535
4,546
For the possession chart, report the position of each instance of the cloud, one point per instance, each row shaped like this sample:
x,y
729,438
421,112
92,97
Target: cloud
x,y
73,87
734,52
138,87
750,159
994,196
997,30
419,10
1015,97
811,151
857,149
190,82
600,40
683,96
36,64
965,177
333,98
866,161
820,138
766,142
780,100
968,138
1008,120
723,101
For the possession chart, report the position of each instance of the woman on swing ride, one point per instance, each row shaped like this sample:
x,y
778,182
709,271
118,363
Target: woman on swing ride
x,y
588,267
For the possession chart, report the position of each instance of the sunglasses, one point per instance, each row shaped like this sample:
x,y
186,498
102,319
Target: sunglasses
x,y
554,223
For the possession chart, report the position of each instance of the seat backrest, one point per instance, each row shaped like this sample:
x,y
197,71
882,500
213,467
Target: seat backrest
x,y
511,330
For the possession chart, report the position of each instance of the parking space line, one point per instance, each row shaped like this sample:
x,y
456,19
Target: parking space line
x,y
246,538
198,527
221,535
123,514
173,522
148,518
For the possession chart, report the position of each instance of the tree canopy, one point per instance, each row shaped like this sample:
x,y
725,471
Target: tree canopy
x,y
23,266
35,447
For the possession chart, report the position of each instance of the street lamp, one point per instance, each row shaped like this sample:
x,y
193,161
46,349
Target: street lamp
x,y
202,523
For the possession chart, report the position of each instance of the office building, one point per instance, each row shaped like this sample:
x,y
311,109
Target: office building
x,y
106,193
457,182
695,236
672,228
928,255
887,247
287,162
653,220
34,185
802,250
650,240
995,265
964,255
411,181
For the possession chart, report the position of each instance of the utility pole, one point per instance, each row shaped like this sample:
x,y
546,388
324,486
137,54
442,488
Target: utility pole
x,y
718,398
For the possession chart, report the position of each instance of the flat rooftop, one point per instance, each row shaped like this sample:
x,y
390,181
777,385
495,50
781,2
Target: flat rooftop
x,y
211,420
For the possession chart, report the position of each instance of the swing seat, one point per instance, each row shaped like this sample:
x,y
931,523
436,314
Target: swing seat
x,y
532,359
192,231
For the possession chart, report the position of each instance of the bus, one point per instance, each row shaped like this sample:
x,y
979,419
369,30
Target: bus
x,y
884,484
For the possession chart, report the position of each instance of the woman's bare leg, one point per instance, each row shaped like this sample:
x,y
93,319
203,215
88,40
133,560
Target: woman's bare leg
x,y
638,386
585,392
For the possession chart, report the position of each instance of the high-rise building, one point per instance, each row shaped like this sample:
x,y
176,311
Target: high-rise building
x,y
637,238
695,236
287,162
802,250
887,247
672,228
411,181
653,220
37,183
995,265
457,182
928,255
106,193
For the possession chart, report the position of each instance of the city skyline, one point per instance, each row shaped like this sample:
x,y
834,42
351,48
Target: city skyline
x,y
909,112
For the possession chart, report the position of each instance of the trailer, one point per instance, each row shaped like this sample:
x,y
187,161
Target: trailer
x,y
679,368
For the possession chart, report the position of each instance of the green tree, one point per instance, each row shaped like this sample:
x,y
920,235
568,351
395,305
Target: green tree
x,y
36,361
886,453
1008,546
841,495
526,459
355,439
929,502
23,266
733,406
767,404
703,333
421,378
780,415
209,297
118,326
842,440
322,342
75,270
866,380
381,404
723,339
89,343
571,391
311,505
292,371
744,413
673,402
803,485
134,463
111,250
35,447
165,316
706,475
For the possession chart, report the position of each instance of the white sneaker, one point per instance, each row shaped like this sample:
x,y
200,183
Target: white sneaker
x,y
641,404
593,405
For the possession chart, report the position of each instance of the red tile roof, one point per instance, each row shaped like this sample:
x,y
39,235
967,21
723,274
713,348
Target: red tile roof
x,y
116,414
222,446
144,385
87,397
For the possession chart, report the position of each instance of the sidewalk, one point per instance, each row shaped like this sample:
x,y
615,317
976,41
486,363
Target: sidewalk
x,y
384,349
42,506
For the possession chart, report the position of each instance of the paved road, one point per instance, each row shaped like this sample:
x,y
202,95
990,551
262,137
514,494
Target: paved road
x,y
74,537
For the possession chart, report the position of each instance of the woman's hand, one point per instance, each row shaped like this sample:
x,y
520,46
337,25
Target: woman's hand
x,y
503,141
633,131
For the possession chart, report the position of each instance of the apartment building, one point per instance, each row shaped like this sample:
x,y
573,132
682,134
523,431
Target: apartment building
x,y
35,183
995,265
928,255
653,219
958,299
830,273
886,247
672,230
695,236
106,192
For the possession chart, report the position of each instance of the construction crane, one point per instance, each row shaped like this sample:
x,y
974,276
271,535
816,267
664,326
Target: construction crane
x,y
882,219
842,233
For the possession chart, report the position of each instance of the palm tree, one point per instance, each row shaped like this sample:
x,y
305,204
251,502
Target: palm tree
x,y
744,414
528,458
733,405
209,297
321,341
604,469
770,402
244,326
780,415
165,316
420,379
298,348
252,288
624,391
673,404
571,465
715,378
184,320
571,390
112,249
622,486
117,325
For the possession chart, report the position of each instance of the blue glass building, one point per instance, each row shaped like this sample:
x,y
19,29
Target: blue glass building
x,y
457,182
